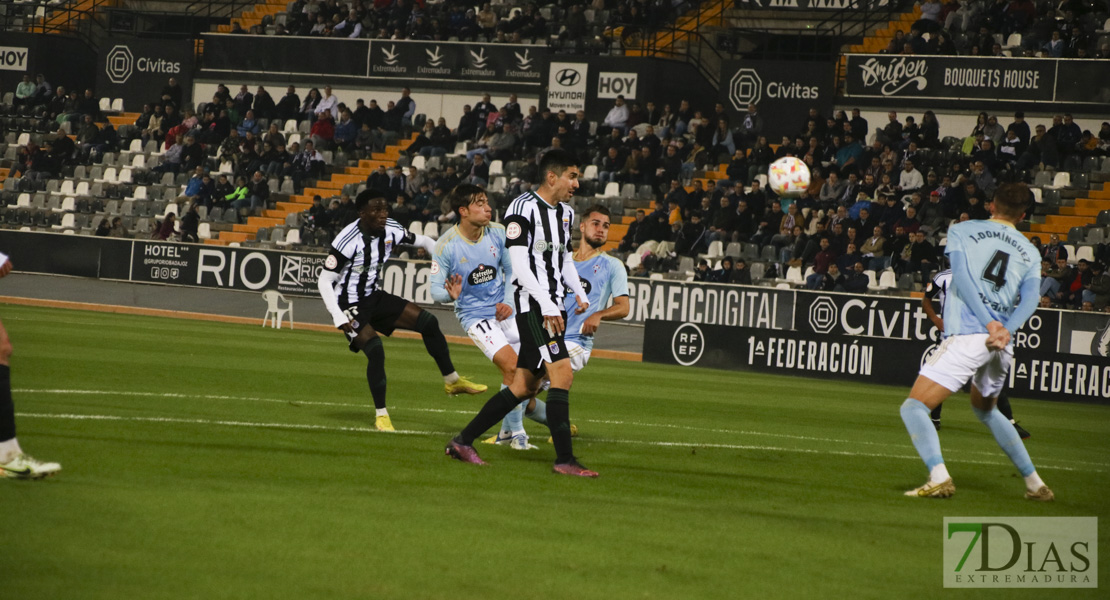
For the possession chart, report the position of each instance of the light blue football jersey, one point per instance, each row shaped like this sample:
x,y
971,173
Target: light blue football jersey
x,y
998,259
484,266
602,277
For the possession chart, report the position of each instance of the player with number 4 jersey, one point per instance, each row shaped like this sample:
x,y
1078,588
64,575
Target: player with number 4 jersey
x,y
995,288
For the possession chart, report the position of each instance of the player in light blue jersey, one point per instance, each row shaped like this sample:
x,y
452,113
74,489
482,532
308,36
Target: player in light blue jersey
x,y
993,265
603,277
471,267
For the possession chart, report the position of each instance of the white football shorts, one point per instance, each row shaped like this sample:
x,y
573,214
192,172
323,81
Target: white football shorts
x,y
579,356
491,335
966,357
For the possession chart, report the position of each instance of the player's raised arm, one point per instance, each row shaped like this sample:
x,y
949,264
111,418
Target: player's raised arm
x,y
326,285
441,267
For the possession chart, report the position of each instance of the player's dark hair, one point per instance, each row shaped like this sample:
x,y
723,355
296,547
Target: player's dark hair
x,y
365,196
1011,199
556,161
596,208
463,195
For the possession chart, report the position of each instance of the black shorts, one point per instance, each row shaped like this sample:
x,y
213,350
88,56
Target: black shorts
x,y
537,346
380,310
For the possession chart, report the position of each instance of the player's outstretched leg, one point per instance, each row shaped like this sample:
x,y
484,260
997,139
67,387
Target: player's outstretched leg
x,y
1010,442
915,415
375,378
1007,411
14,464
426,324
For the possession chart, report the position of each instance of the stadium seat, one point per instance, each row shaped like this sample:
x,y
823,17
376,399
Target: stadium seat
x,y
277,235
590,173
1060,181
496,167
612,189
633,260
1076,235
420,162
1037,195
664,249
431,230
628,191
716,250
888,279
215,214
758,270
204,231
1085,252
1103,217
292,237
1096,235
794,275
416,228
275,312
68,204
768,253
735,250
117,105
647,247
105,104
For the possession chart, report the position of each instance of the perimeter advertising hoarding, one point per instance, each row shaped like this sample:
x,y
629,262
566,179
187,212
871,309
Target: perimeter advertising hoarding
x,y
995,79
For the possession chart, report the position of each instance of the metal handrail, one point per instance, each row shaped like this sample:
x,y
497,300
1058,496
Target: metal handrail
x,y
76,19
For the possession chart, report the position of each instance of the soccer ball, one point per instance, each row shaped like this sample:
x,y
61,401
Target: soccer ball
x,y
788,176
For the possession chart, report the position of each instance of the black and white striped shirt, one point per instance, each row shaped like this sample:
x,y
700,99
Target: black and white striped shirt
x,y
937,288
545,231
358,258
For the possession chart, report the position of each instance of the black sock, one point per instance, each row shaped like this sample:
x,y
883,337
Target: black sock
x,y
558,421
936,413
1003,405
495,409
375,370
7,408
428,327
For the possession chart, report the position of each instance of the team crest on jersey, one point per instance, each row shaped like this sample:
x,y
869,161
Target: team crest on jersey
x,y
553,347
435,267
597,268
493,250
513,231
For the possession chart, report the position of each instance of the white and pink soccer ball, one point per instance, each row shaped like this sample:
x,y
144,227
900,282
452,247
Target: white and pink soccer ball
x,y
788,176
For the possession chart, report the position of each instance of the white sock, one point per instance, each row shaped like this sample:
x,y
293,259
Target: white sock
x,y
9,450
451,377
1033,482
381,412
939,474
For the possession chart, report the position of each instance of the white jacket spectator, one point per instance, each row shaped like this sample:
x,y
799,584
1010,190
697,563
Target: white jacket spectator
x,y
617,117
328,103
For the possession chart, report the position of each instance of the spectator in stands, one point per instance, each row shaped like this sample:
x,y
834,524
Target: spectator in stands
x,y
323,130
345,131
289,105
910,179
617,118
750,128
311,102
1055,251
1072,296
172,93
192,155
892,133
249,123
165,231
255,199
173,157
406,106
190,224
831,191
690,240
1011,148
1055,46
104,228
722,146
24,93
117,229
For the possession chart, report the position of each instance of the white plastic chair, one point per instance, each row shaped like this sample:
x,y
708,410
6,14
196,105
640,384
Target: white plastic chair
x,y
275,313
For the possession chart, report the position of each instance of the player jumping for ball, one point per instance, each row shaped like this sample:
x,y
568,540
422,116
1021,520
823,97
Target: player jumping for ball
x,y
992,264
349,286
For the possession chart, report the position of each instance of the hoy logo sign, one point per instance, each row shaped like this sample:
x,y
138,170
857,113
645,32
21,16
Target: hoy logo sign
x,y
611,85
13,59
1013,552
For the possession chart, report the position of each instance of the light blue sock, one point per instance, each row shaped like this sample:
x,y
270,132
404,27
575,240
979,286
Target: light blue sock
x,y
514,421
540,414
924,436
1007,438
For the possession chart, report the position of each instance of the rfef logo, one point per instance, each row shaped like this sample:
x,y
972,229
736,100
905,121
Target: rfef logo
x,y
687,344
1012,552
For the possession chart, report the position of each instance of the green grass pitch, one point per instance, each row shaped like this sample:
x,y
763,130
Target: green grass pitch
x,y
205,460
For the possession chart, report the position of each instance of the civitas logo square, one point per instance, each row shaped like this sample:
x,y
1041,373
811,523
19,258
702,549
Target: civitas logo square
x,y
1021,552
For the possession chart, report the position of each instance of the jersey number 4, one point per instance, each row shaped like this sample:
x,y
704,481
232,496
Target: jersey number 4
x,y
996,269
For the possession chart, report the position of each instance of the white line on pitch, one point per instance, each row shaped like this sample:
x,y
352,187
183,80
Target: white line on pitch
x,y
471,412
307,427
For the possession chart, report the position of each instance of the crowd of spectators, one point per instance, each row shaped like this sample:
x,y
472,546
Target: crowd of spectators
x,y
594,21
870,206
1055,29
